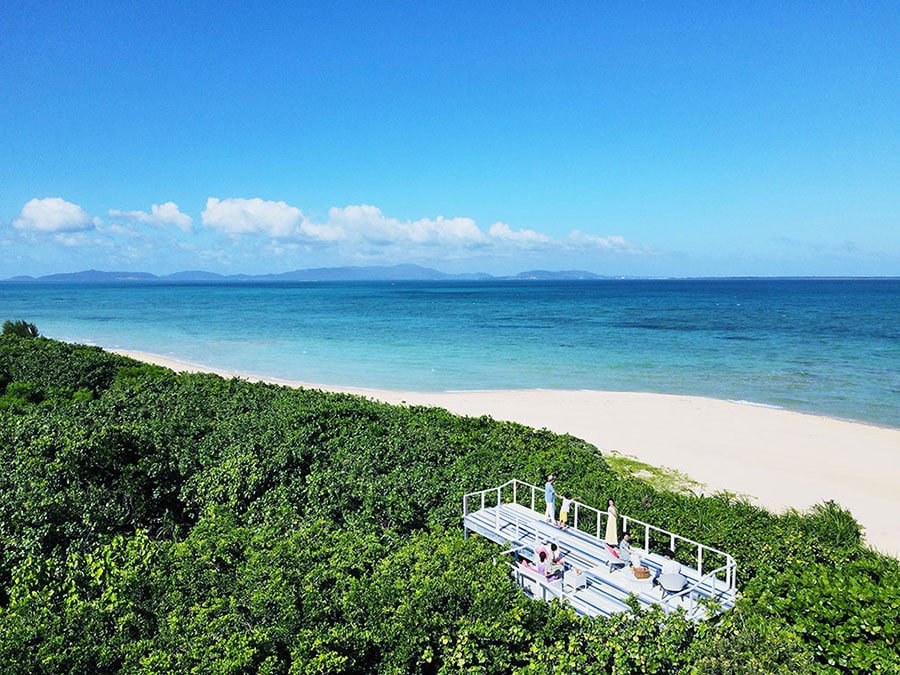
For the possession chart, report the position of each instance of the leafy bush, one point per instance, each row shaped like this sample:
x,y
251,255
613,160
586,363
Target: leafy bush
x,y
154,522
21,329
50,364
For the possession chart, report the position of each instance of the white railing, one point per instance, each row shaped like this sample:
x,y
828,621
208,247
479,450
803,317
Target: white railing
x,y
549,589
688,591
515,488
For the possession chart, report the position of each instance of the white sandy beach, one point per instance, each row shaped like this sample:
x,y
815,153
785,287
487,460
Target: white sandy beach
x,y
779,459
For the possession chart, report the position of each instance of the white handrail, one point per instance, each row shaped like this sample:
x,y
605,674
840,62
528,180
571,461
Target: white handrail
x,y
710,575
539,579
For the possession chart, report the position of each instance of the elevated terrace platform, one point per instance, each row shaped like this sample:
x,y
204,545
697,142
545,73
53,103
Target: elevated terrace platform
x,y
594,582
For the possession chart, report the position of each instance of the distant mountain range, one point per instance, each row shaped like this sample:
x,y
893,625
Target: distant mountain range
x,y
373,273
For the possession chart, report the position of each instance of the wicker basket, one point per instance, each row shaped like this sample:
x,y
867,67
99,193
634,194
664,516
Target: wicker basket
x,y
641,572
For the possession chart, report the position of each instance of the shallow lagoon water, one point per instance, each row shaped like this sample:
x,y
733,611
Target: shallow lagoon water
x,y
822,346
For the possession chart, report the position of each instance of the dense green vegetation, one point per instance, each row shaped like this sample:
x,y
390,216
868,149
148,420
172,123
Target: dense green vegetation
x,y
157,522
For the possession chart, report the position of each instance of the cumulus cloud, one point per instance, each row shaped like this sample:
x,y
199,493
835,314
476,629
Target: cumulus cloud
x,y
612,243
363,230
368,223
236,216
260,232
160,215
524,238
54,214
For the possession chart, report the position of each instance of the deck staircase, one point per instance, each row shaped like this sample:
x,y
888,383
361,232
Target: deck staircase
x,y
595,583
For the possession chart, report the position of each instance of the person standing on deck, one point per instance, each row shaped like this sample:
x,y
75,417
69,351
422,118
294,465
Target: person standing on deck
x,y
550,499
564,510
612,525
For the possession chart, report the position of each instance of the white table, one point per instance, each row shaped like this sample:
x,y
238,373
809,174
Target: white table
x,y
574,579
625,579
639,585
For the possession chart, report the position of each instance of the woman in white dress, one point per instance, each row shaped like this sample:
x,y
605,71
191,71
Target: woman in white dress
x,y
612,525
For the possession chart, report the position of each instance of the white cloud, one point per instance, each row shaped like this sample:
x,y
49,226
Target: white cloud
x,y
160,215
525,238
73,239
352,232
279,220
613,243
368,223
263,234
54,214
252,216
363,231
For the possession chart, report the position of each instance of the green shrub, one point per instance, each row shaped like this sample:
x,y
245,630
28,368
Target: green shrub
x,y
154,522
21,329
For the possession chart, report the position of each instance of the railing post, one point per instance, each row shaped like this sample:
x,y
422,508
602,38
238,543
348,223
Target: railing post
x,y
646,538
515,492
465,514
700,560
532,497
497,513
576,515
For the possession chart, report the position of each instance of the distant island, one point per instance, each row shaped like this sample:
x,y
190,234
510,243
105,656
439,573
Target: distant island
x,y
407,272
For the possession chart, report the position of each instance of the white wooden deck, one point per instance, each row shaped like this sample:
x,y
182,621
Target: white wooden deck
x,y
500,515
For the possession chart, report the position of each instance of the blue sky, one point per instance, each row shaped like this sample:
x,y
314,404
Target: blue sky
x,y
672,139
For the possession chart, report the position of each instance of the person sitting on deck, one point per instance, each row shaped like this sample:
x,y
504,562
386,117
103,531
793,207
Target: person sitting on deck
x,y
523,561
555,564
545,568
615,561
669,577
540,548
670,565
542,563
625,549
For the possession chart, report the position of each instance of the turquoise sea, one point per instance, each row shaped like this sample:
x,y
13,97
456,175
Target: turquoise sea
x,y
822,346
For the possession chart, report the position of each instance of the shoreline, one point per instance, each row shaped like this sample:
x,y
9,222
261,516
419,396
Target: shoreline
x,y
779,459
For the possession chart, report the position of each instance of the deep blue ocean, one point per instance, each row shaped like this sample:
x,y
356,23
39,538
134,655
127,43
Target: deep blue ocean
x,y
822,346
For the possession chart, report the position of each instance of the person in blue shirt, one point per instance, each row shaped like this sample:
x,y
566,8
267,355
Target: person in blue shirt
x,y
550,499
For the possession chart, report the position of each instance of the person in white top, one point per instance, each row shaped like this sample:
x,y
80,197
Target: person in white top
x,y
670,578
670,565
